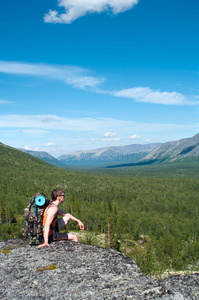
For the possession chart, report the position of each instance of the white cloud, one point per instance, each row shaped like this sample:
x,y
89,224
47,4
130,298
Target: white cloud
x,y
50,144
71,75
34,131
147,95
134,137
64,131
60,123
84,81
108,134
111,140
92,140
34,122
3,101
78,8
79,78
28,148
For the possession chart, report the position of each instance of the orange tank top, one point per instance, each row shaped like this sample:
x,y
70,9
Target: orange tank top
x,y
53,224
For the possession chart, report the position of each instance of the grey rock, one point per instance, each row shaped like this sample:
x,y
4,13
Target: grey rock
x,y
83,272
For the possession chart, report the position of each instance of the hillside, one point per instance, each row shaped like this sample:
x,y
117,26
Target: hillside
x,y
181,154
108,155
20,164
173,151
11,158
21,176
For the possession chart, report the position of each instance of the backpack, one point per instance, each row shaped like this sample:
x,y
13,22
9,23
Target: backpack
x,y
33,228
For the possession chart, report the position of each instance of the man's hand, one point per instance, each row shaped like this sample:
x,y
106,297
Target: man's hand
x,y
43,245
81,225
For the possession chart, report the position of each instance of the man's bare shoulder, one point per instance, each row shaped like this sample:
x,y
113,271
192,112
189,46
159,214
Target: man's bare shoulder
x,y
52,209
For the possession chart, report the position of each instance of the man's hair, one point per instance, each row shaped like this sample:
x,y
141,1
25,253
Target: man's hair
x,y
56,193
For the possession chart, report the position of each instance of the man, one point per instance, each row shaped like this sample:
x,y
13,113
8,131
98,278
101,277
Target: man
x,y
52,224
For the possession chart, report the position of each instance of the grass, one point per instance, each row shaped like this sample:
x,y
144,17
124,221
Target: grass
x,y
91,238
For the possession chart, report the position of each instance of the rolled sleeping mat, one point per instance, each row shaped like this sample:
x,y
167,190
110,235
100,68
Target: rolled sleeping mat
x,y
40,200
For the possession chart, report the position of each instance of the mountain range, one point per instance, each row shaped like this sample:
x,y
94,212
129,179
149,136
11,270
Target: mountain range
x,y
96,157
125,155
107,155
176,150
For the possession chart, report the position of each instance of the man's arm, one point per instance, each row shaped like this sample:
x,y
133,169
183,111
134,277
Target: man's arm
x,y
61,212
81,225
51,214
70,217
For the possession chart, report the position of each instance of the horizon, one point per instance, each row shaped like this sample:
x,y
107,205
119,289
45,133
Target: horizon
x,y
96,149
77,76
87,150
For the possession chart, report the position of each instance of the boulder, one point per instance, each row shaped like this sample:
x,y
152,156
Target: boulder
x,y
68,270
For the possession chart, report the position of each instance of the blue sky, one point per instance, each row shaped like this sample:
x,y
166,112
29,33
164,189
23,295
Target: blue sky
x,y
84,74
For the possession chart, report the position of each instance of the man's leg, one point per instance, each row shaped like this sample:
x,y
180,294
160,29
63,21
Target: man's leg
x,y
71,237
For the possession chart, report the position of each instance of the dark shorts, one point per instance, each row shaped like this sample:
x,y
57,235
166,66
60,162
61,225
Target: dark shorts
x,y
57,236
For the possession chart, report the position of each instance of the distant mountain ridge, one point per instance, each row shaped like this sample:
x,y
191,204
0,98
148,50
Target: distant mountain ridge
x,y
126,155
176,150
96,157
45,156
106,155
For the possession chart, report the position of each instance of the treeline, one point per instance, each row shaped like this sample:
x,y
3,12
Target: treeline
x,y
153,220
158,218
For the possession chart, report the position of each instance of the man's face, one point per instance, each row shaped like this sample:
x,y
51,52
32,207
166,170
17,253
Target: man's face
x,y
62,197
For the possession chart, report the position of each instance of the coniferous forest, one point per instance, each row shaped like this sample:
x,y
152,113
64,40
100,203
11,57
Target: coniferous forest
x,y
153,219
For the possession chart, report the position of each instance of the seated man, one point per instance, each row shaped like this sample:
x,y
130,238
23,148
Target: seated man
x,y
52,224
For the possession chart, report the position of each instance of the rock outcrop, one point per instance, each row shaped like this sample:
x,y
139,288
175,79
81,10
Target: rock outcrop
x,y
67,270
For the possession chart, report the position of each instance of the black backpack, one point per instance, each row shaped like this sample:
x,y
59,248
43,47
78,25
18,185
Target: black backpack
x,y
33,214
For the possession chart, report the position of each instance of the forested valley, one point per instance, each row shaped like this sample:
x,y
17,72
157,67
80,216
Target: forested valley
x,y
151,219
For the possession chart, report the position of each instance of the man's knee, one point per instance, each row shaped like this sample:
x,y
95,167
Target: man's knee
x,y
66,219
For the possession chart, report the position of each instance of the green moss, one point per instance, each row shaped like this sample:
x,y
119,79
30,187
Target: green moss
x,y
5,251
51,267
